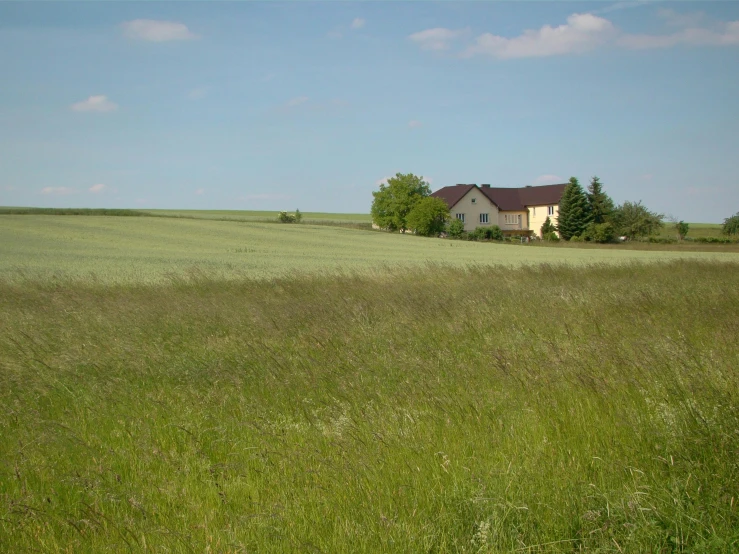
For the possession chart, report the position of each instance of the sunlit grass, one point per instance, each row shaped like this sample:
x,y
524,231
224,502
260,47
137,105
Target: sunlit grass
x,y
145,249
542,409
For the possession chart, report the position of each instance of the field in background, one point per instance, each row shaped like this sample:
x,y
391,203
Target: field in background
x,y
696,230
263,216
546,409
154,249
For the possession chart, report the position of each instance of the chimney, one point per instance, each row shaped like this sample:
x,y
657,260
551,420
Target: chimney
x,y
461,185
486,185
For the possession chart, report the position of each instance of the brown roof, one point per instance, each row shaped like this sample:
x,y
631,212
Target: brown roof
x,y
507,199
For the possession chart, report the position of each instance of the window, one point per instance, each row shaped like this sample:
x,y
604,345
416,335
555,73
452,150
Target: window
x,y
474,200
510,219
483,218
460,217
550,210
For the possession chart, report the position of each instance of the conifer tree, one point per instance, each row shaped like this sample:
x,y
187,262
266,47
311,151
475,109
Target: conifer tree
x,y
574,211
599,203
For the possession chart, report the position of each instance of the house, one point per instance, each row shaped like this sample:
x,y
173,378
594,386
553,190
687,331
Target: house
x,y
517,211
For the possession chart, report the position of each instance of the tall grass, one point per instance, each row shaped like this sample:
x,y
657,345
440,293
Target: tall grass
x,y
542,409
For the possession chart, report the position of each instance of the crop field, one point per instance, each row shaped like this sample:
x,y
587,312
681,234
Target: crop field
x,y
144,249
262,216
193,385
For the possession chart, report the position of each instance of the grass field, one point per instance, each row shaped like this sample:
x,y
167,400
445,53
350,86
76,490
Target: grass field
x,y
254,215
195,385
547,409
136,250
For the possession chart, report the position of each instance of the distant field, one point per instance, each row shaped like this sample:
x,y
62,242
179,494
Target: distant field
x,y
151,249
252,215
696,230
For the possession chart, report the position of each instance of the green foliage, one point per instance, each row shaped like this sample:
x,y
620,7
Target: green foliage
x,y
429,216
573,211
491,232
731,225
435,410
577,238
548,227
600,232
455,228
682,229
634,220
284,217
600,205
394,201
551,236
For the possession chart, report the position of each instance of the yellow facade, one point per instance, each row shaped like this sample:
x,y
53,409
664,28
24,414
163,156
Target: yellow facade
x,y
539,214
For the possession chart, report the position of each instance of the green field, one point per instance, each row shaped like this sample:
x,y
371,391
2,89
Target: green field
x,y
194,385
135,249
254,215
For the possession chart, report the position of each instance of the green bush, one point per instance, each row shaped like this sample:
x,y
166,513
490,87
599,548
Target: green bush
x,y
551,236
731,225
284,217
600,233
455,228
577,238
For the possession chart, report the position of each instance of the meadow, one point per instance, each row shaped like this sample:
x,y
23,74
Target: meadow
x,y
156,249
352,391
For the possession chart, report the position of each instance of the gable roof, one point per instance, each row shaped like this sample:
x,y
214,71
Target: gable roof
x,y
507,199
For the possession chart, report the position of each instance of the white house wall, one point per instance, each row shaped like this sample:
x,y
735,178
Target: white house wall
x,y
472,205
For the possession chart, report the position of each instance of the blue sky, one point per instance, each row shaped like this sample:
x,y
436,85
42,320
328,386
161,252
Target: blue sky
x,y
256,105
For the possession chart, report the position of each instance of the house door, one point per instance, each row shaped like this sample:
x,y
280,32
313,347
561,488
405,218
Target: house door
x,y
519,221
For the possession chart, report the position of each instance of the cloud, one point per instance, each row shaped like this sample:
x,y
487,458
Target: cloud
x,y
197,93
382,181
584,32
297,101
97,189
581,33
414,124
200,192
726,34
156,31
97,103
358,23
58,191
437,38
548,179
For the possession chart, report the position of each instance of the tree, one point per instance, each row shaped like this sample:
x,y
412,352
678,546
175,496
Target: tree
x,y
394,201
634,220
731,225
574,213
682,229
600,232
548,228
599,203
429,216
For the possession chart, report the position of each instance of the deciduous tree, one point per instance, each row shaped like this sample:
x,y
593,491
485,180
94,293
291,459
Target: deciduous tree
x,y
634,220
429,216
394,201
731,225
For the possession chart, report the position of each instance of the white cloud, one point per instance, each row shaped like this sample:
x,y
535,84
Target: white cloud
x,y
58,191
296,101
197,93
548,179
581,33
96,189
200,192
727,34
358,23
414,124
382,181
437,38
584,32
156,31
97,103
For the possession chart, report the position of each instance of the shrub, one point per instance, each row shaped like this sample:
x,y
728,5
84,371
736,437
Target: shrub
x,y
550,236
576,238
731,225
600,233
548,227
455,228
682,229
284,217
